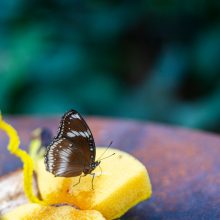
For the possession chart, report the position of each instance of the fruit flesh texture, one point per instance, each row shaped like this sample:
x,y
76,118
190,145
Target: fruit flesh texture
x,y
38,212
123,183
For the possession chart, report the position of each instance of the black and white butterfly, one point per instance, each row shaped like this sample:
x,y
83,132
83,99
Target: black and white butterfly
x,y
72,152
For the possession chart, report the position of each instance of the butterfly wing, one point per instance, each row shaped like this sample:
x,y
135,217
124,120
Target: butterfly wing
x,y
64,158
74,128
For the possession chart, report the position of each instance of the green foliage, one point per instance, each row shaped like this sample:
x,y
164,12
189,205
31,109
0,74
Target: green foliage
x,y
154,60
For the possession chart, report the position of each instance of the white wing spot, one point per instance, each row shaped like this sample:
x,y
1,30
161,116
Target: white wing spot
x,y
86,133
75,116
82,134
70,134
75,132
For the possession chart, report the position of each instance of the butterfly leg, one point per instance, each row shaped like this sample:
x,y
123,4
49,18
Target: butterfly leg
x,y
93,176
100,169
78,180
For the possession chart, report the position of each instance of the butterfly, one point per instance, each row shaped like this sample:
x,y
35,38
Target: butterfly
x,y
72,152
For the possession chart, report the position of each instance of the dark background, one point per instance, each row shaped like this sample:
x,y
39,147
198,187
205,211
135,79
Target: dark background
x,y
148,60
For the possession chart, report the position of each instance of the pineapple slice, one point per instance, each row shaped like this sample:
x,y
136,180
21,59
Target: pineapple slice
x,y
123,183
39,212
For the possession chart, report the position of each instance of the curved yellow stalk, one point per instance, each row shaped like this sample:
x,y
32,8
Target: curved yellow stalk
x,y
13,147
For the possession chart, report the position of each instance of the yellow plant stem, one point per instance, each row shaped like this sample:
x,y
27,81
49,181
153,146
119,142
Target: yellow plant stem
x,y
13,147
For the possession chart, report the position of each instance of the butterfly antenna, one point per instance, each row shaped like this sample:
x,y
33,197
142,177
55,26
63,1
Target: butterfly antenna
x,y
105,151
107,157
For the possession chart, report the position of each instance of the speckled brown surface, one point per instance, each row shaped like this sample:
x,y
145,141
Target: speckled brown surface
x,y
12,194
184,165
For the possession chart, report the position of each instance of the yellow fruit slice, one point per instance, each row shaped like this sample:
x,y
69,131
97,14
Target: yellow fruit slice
x,y
39,212
124,182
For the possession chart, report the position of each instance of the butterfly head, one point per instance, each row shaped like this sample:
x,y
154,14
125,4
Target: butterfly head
x,y
91,167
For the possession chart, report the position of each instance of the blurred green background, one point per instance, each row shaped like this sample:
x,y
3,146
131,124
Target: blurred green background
x,y
148,60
